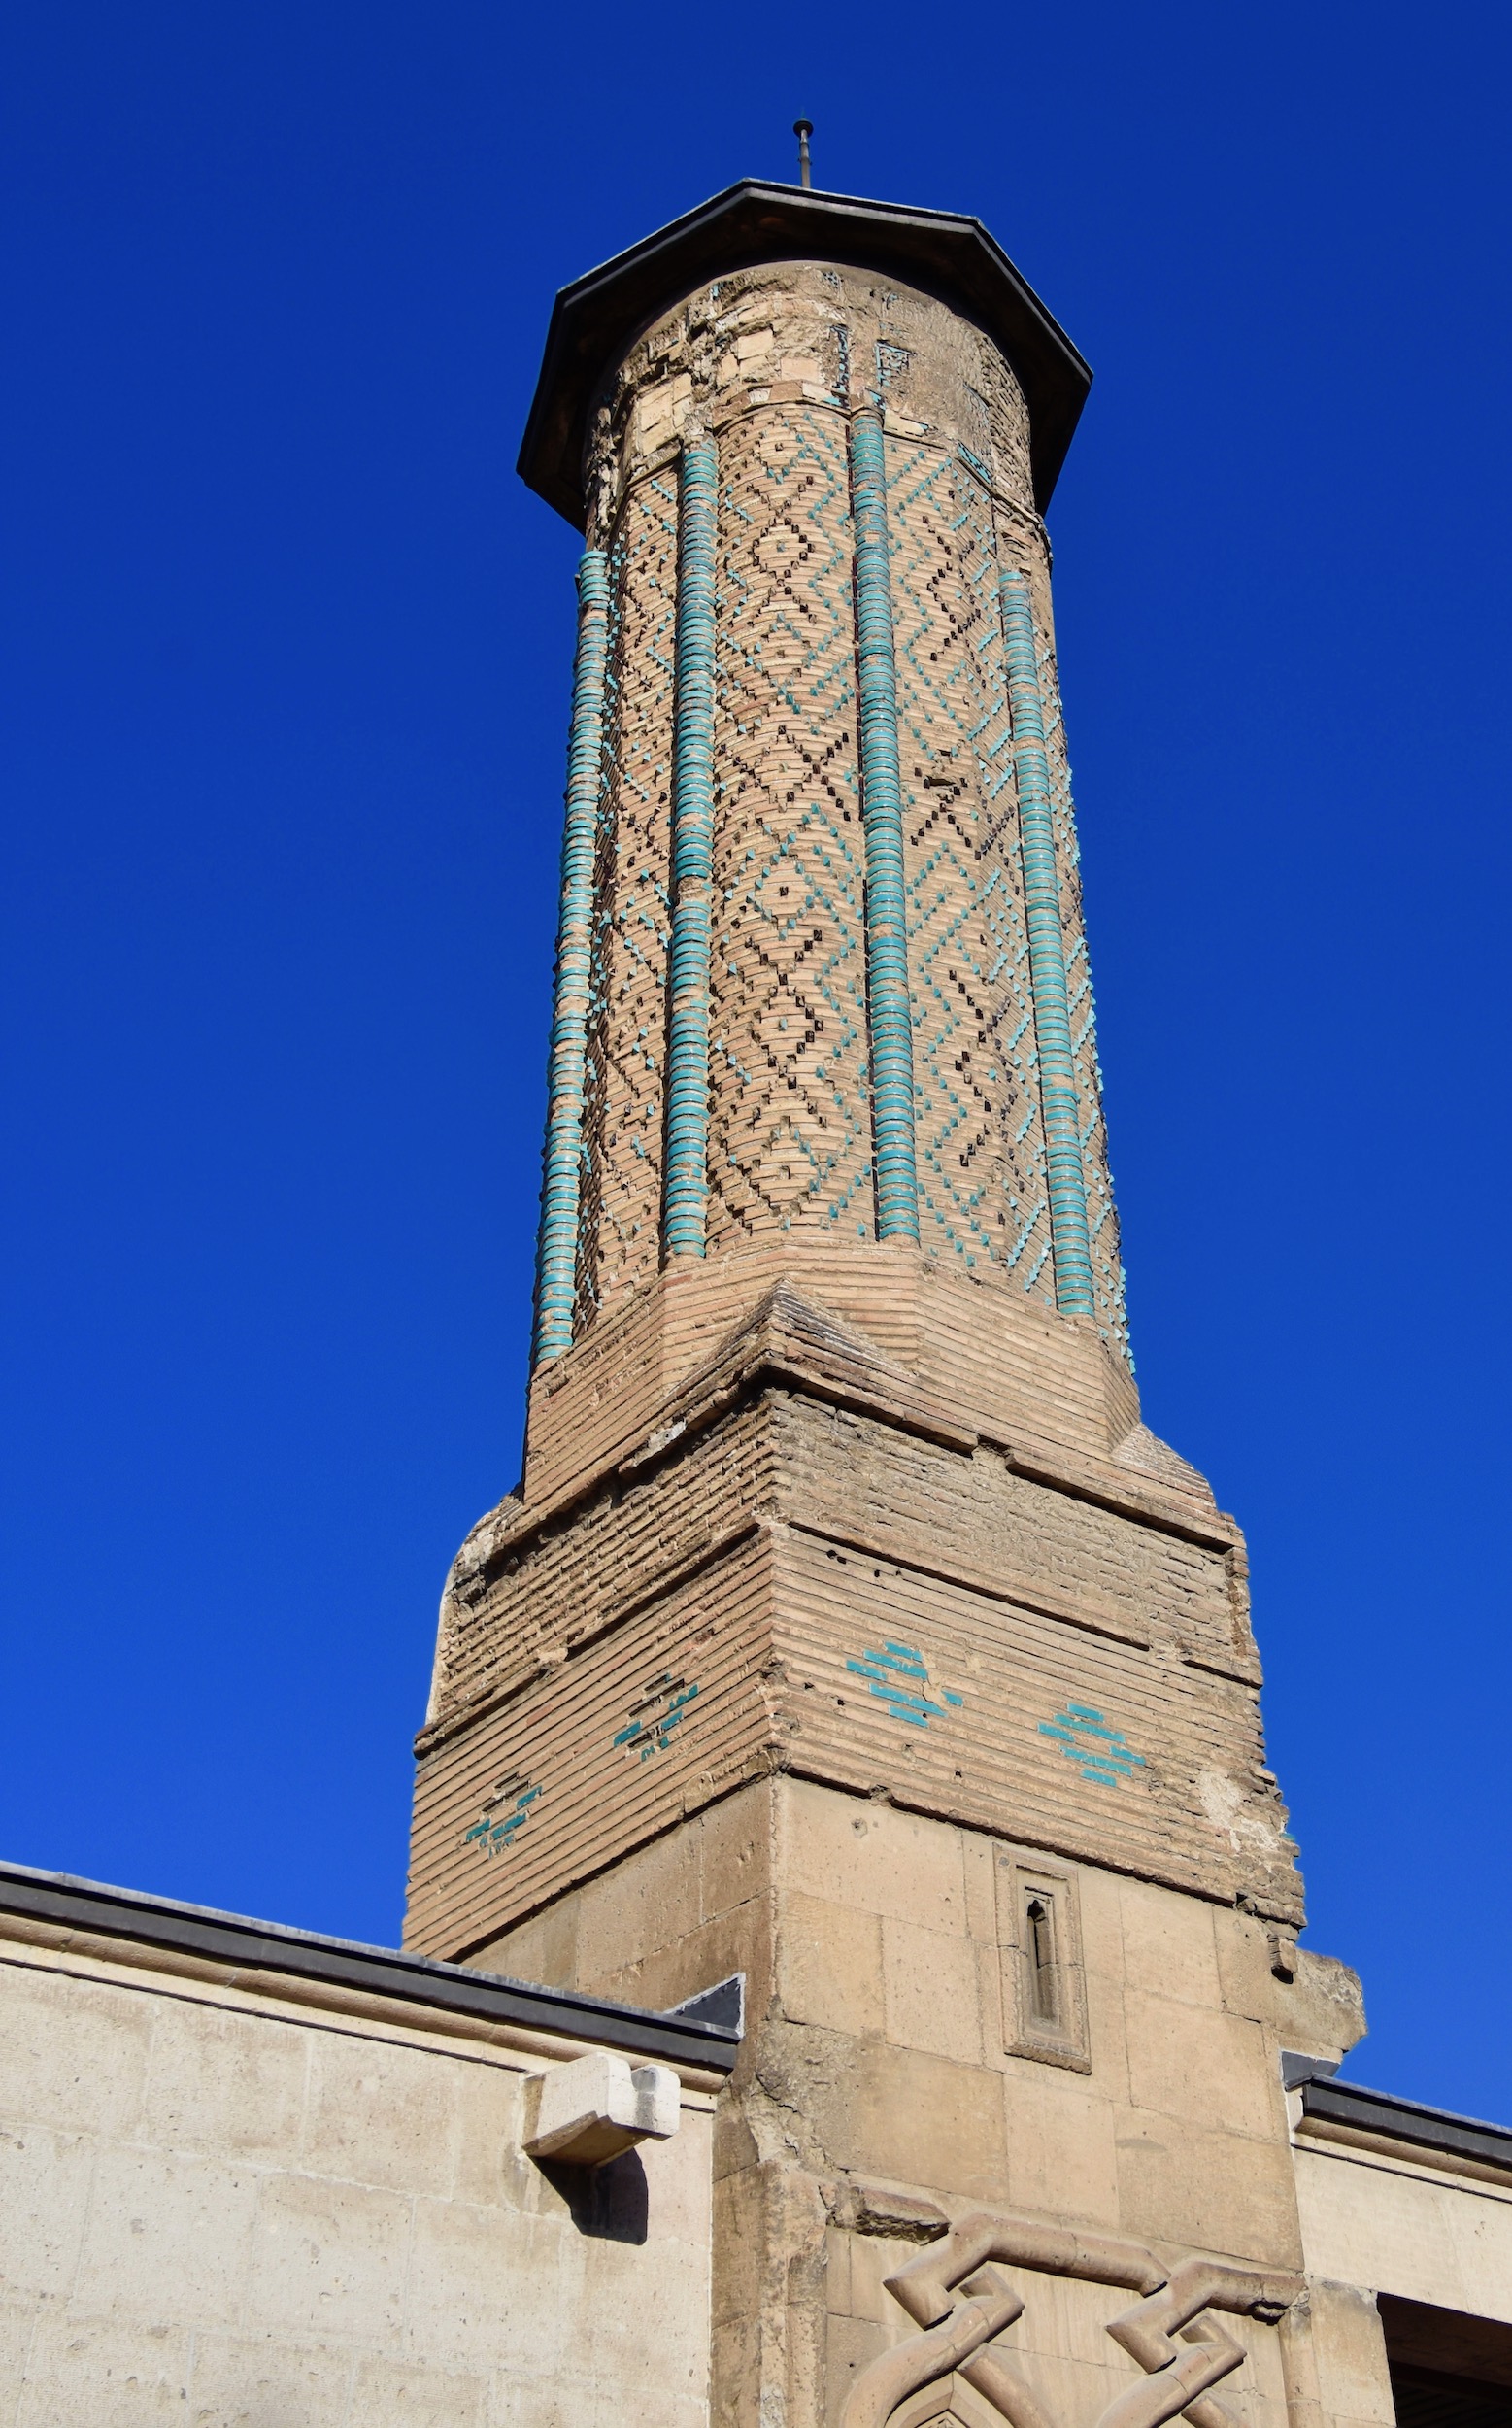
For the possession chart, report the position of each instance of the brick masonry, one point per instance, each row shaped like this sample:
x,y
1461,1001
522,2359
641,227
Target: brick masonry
x,y
807,1565
848,1630
846,1603
770,362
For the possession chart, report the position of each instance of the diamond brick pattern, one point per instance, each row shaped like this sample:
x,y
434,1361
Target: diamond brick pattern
x,y
983,1200
789,1114
620,1229
790,1135
1103,1220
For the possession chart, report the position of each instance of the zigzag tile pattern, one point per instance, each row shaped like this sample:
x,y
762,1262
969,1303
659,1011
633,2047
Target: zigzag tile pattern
x,y
1025,1244
1103,1220
619,1226
790,1126
980,1147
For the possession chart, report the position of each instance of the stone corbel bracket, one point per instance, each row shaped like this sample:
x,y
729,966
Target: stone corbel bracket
x,y
961,2302
593,2109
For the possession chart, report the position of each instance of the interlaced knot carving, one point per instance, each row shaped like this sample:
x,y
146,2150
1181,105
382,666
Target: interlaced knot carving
x,y
961,2301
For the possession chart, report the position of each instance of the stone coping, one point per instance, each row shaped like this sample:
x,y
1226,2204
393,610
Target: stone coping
x,y
1329,2102
63,1904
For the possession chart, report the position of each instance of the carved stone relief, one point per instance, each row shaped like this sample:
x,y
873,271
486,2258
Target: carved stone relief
x,y
961,2302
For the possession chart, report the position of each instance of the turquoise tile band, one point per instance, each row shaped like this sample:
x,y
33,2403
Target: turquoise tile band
x,y
686,1192
557,1256
888,1020
1067,1180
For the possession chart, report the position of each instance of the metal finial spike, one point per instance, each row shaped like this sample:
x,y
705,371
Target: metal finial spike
x,y
803,128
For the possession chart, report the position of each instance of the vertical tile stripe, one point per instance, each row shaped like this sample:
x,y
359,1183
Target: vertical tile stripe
x,y
685,1198
1067,1179
556,1257
882,817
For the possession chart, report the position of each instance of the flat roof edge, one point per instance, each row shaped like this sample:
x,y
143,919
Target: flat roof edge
x,y
93,1906
1410,2121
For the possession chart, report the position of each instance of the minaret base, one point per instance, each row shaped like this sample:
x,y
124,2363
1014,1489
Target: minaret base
x,y
852,1635
907,1538
896,2078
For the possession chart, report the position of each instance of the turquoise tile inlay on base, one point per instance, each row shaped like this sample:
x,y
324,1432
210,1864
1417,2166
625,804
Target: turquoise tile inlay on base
x,y
498,1830
1105,1756
655,1714
882,1669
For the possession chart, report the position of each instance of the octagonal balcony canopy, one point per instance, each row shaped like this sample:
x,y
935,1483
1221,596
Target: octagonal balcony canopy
x,y
596,320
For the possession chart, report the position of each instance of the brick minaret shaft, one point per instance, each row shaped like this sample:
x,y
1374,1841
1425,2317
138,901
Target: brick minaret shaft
x,y
823,973
848,1629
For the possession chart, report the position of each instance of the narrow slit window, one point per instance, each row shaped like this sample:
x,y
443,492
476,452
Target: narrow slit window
x,y
1040,1949
1039,1939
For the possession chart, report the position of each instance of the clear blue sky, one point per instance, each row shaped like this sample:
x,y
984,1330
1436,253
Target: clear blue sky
x,y
285,667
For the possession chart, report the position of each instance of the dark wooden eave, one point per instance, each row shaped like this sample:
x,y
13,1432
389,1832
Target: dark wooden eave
x,y
596,320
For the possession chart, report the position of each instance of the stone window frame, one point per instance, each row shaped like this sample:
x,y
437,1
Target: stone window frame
x,y
1021,1879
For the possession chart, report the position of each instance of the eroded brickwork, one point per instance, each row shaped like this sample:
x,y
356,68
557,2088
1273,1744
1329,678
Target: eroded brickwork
x,y
807,1562
849,1630
787,1135
620,1229
984,1199
523,1610
770,363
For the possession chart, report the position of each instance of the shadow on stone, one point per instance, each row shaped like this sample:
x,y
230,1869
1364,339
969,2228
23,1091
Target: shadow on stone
x,y
609,2203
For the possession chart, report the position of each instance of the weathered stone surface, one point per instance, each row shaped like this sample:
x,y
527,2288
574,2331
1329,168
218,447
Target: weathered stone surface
x,y
250,2211
1374,2220
855,2076
849,1630
758,1565
1350,2357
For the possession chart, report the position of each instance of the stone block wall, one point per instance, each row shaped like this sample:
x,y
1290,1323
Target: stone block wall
x,y
883,2084
235,2209
1383,2220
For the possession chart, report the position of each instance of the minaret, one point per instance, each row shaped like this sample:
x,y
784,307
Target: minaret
x,y
848,1629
